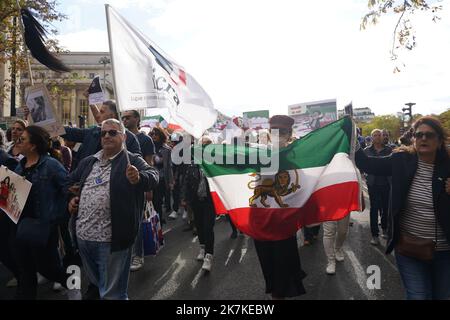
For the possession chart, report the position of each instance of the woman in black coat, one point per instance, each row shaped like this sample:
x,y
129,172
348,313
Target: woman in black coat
x,y
6,224
419,209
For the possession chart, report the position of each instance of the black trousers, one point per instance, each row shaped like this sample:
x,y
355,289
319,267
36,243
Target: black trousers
x,y
44,260
161,196
379,203
204,220
176,196
310,232
7,227
233,227
281,267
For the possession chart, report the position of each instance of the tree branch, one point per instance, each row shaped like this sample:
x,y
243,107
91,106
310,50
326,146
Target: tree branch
x,y
395,30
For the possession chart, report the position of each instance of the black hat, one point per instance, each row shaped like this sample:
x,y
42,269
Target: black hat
x,y
281,122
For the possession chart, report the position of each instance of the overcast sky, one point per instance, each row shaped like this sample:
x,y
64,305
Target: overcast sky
x,y
260,54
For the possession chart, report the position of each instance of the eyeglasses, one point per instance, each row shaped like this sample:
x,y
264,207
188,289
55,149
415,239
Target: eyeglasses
x,y
126,117
20,139
112,133
427,135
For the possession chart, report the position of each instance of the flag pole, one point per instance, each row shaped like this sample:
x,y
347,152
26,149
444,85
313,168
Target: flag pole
x,y
353,142
108,24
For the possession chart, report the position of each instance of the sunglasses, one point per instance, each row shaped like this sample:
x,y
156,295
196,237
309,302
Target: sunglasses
x,y
281,131
112,133
427,135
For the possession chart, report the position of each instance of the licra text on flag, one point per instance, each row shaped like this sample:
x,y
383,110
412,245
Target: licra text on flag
x,y
316,181
146,77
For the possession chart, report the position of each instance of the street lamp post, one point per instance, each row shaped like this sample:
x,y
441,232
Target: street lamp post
x,y
104,61
409,111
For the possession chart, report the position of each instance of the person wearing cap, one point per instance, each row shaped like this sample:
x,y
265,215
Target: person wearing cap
x,y
280,260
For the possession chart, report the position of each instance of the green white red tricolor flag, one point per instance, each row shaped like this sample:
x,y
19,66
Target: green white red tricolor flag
x,y
317,181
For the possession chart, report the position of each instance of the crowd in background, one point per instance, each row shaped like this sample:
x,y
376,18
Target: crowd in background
x,y
89,195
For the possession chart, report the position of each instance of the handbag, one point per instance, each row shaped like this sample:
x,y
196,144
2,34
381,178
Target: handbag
x,y
33,232
152,231
415,247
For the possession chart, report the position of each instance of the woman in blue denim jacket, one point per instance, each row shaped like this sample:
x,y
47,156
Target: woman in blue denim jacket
x,y
36,242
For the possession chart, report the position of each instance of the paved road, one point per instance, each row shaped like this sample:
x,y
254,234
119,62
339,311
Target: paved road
x,y
175,274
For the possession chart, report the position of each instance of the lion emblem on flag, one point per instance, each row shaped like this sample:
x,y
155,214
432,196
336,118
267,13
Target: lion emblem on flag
x,y
276,189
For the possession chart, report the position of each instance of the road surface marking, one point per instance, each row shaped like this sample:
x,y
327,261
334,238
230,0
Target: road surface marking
x,y
385,258
360,275
244,249
168,230
229,256
196,278
169,288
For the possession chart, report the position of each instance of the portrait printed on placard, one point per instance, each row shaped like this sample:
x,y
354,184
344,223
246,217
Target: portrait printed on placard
x,y
42,112
14,191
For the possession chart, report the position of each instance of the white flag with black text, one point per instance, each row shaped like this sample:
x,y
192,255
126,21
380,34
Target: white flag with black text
x,y
146,77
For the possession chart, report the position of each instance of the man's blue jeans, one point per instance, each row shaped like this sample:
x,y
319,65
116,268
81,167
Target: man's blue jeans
x,y
425,280
109,271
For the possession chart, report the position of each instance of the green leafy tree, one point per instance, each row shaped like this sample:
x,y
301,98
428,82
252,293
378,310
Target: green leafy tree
x,y
444,117
388,122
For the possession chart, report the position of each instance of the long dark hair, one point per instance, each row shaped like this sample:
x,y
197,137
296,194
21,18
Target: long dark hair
x,y
161,133
41,139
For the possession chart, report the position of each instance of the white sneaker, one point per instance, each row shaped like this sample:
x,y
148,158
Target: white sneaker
x,y
12,283
339,255
41,279
136,264
185,214
201,254
74,294
375,241
57,286
173,215
331,268
207,262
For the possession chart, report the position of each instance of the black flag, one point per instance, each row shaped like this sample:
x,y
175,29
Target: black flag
x,y
95,86
349,109
34,34
95,91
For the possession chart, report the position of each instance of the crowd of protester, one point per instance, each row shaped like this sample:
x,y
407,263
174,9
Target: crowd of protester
x,y
89,194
